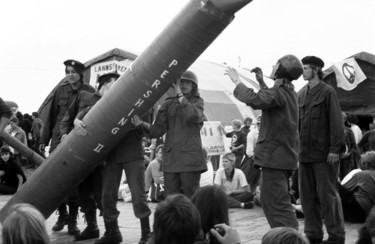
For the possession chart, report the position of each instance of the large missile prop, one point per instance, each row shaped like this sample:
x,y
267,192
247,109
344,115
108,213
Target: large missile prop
x,y
136,91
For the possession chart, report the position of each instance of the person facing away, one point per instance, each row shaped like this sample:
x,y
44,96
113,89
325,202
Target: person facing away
x,y
284,235
11,174
212,204
24,225
177,220
90,190
61,99
180,118
238,141
358,193
322,136
233,182
277,148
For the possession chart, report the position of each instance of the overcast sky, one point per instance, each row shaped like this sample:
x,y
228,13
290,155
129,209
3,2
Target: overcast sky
x,y
38,35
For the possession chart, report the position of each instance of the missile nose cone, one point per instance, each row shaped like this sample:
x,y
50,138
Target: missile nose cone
x,y
230,6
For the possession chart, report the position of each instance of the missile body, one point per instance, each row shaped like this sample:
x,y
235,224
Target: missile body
x,y
136,91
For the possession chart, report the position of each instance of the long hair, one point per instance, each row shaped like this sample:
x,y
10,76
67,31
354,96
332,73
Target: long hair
x,y
24,225
212,204
176,221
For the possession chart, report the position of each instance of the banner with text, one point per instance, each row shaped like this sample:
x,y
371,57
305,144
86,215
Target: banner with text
x,y
212,138
108,67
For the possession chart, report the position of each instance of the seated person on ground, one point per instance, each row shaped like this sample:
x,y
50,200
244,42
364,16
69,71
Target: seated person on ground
x,y
212,204
11,174
284,235
233,182
24,225
153,175
358,193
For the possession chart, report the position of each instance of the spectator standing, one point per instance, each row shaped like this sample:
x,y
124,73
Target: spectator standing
x,y
181,119
322,137
277,148
233,182
16,132
352,122
36,130
62,97
349,156
238,141
252,171
246,125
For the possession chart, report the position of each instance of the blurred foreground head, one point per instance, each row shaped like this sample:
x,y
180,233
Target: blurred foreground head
x,y
176,220
24,225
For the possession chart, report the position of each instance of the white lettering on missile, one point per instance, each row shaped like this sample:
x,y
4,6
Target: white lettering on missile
x,y
115,130
165,72
173,63
99,148
122,121
147,94
139,102
155,84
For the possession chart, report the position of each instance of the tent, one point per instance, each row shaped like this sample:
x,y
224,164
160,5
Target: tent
x,y
361,99
215,88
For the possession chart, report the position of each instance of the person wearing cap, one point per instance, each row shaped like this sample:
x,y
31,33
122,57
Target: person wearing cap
x,y
126,156
11,174
277,148
61,98
180,118
321,130
90,190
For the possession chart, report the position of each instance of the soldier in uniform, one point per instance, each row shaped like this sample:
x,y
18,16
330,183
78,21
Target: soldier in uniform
x,y
61,98
90,190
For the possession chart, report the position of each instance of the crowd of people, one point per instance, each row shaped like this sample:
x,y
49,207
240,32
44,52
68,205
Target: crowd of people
x,y
303,138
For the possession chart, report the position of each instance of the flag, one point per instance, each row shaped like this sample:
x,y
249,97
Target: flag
x,y
348,74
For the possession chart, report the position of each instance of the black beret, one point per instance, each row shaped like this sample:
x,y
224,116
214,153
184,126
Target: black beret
x,y
78,66
107,77
313,61
5,149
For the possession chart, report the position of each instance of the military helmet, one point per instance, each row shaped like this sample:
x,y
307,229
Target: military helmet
x,y
189,75
290,67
